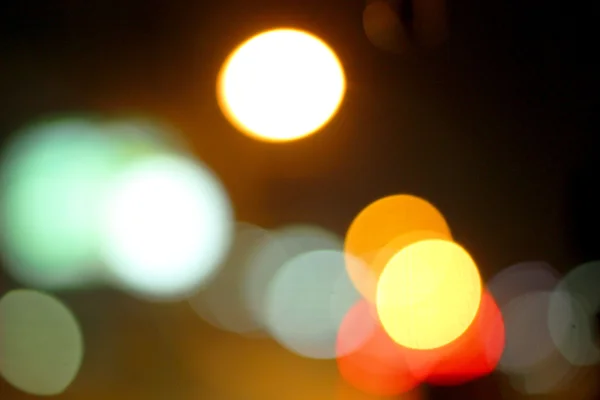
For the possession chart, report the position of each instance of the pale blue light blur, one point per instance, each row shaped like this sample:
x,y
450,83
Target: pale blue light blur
x,y
53,177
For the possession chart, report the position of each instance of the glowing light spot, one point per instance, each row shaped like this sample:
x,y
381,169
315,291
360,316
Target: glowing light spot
x,y
53,178
384,256
379,366
531,361
308,324
40,343
474,354
572,315
263,264
528,340
428,294
281,85
168,225
384,221
272,253
221,302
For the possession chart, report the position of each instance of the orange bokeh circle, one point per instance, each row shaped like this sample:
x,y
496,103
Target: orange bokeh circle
x,y
386,226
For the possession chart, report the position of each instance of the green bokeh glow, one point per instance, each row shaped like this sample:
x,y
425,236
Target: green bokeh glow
x,y
40,342
53,180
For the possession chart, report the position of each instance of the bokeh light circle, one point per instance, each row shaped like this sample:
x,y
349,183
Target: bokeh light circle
x,y
168,224
429,294
41,344
378,366
221,303
53,177
572,315
522,278
475,353
368,284
274,251
281,85
528,340
307,301
390,221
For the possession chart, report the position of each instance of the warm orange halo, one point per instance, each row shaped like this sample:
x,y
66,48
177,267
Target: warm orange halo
x,y
379,366
368,288
390,222
474,354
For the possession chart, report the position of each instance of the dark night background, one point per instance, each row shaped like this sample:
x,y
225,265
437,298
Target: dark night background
x,y
495,128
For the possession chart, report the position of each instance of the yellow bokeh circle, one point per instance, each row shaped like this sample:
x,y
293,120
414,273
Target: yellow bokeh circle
x,y
281,85
388,225
428,294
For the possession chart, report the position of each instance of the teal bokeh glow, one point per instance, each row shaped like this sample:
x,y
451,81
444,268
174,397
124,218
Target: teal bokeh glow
x,y
52,184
